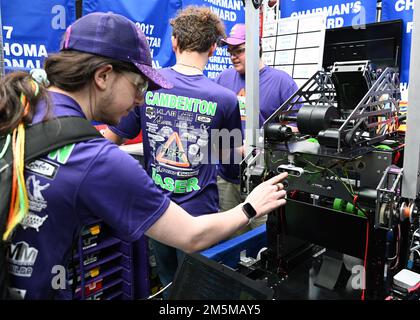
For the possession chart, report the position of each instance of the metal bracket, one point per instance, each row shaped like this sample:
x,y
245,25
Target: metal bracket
x,y
252,167
388,194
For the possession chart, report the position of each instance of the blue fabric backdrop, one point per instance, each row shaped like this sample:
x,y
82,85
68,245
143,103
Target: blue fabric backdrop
x,y
340,13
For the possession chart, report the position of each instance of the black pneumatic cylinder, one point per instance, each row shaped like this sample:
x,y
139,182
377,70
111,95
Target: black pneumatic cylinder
x,y
313,119
277,132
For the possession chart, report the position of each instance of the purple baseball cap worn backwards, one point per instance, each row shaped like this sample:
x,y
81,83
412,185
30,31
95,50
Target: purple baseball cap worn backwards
x,y
236,35
114,36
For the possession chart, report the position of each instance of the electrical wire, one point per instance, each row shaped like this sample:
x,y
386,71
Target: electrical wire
x,y
365,260
414,249
332,172
347,177
6,146
159,292
342,182
397,250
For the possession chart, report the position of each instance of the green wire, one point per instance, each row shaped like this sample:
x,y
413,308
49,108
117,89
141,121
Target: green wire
x,y
347,176
332,172
6,145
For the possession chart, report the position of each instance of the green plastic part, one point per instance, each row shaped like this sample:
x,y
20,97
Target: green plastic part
x,y
383,147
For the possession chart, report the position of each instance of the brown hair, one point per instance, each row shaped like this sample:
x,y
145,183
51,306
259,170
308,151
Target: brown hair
x,y
197,29
67,70
12,86
73,70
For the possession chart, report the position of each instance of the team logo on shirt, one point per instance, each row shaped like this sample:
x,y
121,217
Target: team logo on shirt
x,y
33,221
203,119
172,152
37,202
185,116
21,258
44,168
150,112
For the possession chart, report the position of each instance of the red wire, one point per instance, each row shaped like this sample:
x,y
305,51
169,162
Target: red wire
x,y
397,157
365,260
355,198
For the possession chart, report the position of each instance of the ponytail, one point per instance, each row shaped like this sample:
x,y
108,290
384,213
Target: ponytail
x,y
19,96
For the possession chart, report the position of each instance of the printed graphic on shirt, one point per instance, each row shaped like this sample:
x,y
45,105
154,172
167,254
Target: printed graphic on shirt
x,y
175,186
172,152
150,112
183,103
203,119
62,155
21,258
242,107
44,168
33,221
178,138
37,202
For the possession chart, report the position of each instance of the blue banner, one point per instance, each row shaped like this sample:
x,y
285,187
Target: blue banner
x,y
340,13
401,9
231,12
32,30
152,16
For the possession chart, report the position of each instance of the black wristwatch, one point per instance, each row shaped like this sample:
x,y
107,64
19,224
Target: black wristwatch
x,y
249,211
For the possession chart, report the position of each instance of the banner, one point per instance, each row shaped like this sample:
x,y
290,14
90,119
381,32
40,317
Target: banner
x,y
340,13
32,30
231,12
401,9
152,16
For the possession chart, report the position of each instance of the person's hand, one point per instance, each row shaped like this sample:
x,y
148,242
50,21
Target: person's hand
x,y
269,195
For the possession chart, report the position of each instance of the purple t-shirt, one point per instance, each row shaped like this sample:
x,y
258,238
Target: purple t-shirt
x,y
276,87
71,187
179,127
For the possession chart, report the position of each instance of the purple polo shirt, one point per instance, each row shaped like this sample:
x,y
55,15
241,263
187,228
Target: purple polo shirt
x,y
179,127
71,187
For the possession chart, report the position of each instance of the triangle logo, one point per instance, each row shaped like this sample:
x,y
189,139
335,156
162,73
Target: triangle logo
x,y
173,153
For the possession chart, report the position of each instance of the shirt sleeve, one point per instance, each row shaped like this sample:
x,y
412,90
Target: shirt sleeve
x,y
118,190
129,126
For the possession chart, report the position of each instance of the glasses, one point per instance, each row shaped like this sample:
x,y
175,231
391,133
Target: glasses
x,y
236,51
139,82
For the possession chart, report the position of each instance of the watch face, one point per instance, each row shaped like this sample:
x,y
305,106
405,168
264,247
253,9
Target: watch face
x,y
249,210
